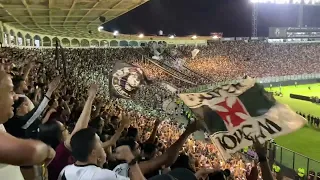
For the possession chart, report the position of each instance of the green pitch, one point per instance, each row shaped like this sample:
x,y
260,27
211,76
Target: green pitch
x,y
305,141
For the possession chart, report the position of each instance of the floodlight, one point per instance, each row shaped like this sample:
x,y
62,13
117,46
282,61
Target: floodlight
x,y
171,36
215,37
194,37
296,2
282,1
141,35
100,28
115,33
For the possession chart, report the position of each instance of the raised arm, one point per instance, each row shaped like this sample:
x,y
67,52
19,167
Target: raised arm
x,y
85,114
113,139
47,116
27,70
52,87
97,112
125,123
171,154
261,150
66,107
37,97
124,153
22,152
154,132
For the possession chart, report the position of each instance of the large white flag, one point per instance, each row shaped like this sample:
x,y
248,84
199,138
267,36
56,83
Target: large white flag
x,y
237,114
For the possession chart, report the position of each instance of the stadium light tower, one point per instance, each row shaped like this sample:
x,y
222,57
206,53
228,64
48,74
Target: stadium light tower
x,y
300,3
254,20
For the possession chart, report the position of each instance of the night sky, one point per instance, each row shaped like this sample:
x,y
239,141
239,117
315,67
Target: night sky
x,y
201,17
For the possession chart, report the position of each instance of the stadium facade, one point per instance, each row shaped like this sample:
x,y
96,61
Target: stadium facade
x,y
11,36
73,23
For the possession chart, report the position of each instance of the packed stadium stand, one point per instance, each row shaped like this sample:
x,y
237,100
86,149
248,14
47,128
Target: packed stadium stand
x,y
31,32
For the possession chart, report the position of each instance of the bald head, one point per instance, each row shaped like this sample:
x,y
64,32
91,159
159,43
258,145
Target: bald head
x,y
6,97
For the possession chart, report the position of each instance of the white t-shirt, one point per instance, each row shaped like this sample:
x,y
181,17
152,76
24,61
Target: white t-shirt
x,y
9,171
122,169
88,172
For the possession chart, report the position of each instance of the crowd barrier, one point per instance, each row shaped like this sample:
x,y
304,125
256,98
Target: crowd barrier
x,y
264,80
293,160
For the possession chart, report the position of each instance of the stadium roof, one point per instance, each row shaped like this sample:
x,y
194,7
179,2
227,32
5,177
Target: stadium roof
x,y
69,18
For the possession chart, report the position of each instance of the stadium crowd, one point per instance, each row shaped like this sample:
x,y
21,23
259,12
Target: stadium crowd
x,y
56,108
231,59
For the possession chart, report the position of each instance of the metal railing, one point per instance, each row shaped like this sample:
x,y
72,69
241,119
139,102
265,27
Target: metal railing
x,y
293,160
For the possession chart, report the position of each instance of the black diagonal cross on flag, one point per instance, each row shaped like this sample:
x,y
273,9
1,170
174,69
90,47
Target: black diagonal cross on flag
x,y
235,114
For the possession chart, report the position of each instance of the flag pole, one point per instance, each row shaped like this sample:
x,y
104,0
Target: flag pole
x,y
64,62
56,58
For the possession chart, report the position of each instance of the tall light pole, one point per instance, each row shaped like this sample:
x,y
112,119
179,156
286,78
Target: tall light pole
x,y
254,20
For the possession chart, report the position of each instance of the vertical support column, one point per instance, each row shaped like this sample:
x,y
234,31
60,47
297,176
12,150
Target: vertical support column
x,y
5,39
254,20
2,33
24,41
